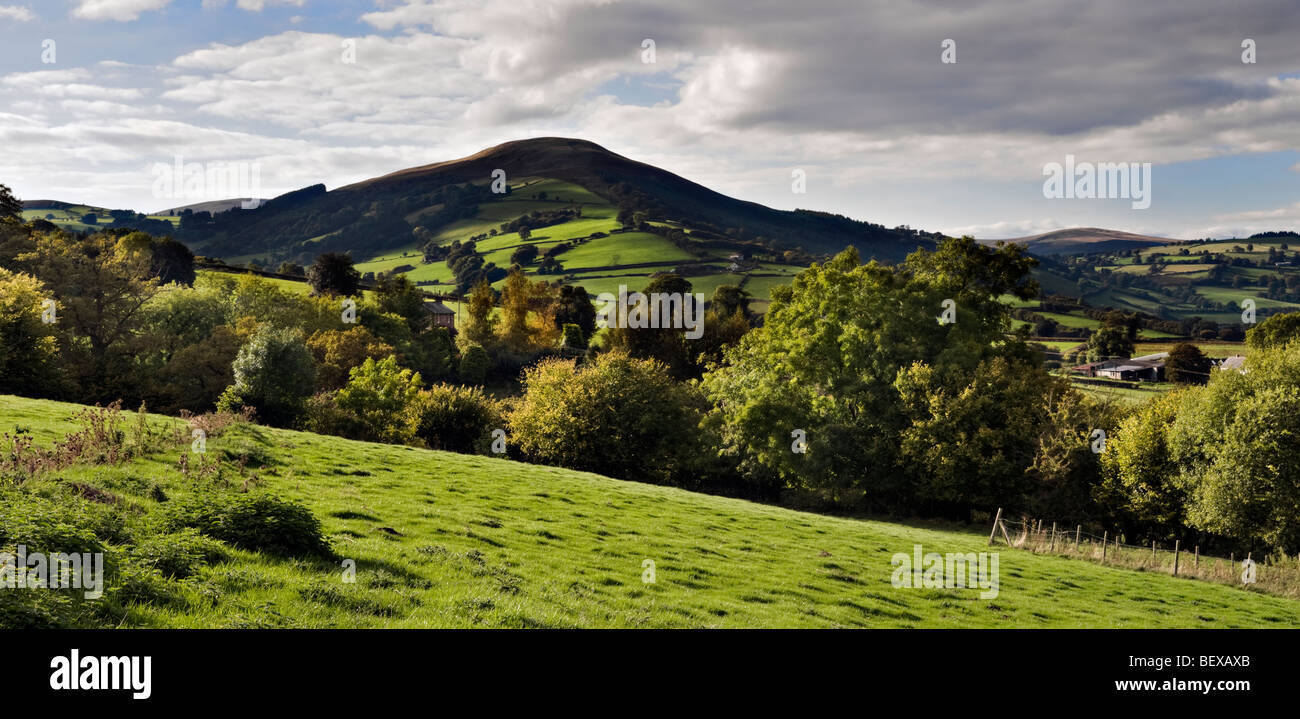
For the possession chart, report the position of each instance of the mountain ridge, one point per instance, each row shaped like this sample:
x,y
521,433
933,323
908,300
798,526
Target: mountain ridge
x,y
1072,240
368,214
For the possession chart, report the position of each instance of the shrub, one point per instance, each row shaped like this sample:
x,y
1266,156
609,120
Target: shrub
x,y
323,415
457,419
257,522
383,397
37,610
44,525
178,555
619,416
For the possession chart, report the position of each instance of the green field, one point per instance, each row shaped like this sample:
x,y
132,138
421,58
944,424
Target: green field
x,y
592,263
1209,349
69,218
1072,320
447,540
1165,298
1118,393
626,248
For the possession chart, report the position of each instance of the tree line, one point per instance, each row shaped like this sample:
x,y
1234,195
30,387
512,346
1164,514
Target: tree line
x,y
854,392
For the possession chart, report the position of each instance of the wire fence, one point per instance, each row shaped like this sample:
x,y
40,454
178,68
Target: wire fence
x,y
1273,574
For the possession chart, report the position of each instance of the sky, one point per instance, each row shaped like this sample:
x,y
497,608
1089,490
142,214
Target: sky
x,y
940,115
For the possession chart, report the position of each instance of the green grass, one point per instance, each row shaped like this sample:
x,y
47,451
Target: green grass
x,y
446,540
609,280
1210,349
588,263
1059,345
1236,295
761,287
289,285
1072,320
627,248
70,217
1116,392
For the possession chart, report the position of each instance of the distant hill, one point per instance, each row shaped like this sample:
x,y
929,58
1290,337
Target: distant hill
x,y
380,214
212,206
59,205
1084,240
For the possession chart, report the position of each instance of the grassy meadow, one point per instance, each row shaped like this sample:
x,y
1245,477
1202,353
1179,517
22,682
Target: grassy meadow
x,y
448,540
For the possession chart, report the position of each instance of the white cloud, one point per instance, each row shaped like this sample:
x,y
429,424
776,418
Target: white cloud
x,y
258,5
125,10
119,10
17,13
739,94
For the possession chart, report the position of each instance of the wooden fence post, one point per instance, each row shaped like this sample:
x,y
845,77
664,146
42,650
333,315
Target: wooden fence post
x,y
1196,561
1176,545
1052,547
1104,537
1077,530
994,531
1005,536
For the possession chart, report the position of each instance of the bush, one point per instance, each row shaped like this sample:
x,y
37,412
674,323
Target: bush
x,y
619,416
178,555
256,522
383,397
38,610
457,419
323,415
47,526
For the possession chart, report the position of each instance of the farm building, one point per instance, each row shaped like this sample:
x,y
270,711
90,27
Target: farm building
x,y
1235,362
442,315
1092,368
1147,368
1135,369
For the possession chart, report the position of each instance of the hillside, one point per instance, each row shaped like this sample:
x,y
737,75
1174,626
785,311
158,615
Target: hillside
x,y
209,206
379,214
1078,240
447,540
70,215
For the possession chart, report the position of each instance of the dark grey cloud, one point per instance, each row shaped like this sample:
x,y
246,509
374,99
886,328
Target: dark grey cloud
x,y
1050,67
